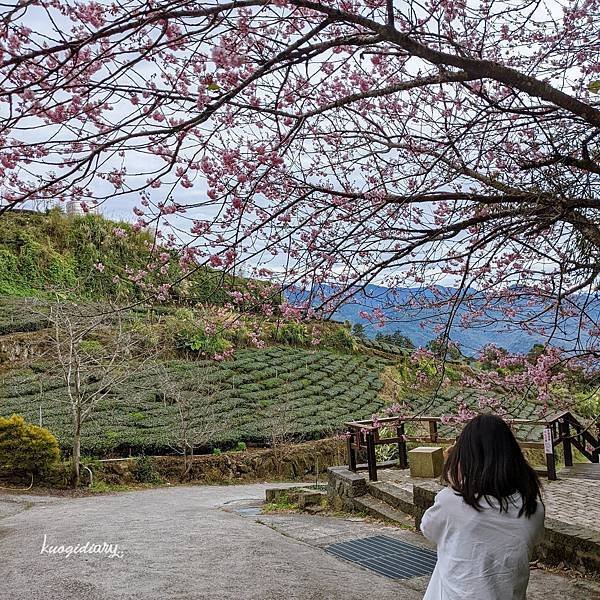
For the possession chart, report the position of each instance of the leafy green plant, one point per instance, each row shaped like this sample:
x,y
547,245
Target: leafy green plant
x,y
588,404
282,503
102,487
240,447
198,340
292,333
26,448
217,452
137,416
339,338
144,470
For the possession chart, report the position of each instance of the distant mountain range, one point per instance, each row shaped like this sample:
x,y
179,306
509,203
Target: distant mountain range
x,y
419,323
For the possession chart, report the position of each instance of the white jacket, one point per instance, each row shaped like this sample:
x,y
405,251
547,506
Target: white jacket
x,y
481,555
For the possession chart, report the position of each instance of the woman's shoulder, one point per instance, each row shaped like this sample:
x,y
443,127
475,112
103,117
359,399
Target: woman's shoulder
x,y
448,496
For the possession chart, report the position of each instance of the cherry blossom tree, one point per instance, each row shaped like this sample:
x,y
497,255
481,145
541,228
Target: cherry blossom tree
x,y
329,145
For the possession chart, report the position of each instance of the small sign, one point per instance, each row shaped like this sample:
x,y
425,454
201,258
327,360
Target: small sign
x,y
548,447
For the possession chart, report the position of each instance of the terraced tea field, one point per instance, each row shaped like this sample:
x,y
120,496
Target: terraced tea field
x,y
282,393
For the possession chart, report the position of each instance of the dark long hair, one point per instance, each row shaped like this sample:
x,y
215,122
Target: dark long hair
x,y
487,462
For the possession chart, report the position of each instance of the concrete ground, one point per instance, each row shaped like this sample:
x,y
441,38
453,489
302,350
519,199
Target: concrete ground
x,y
189,543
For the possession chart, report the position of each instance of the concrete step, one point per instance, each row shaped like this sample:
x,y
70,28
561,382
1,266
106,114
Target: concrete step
x,y
393,495
381,510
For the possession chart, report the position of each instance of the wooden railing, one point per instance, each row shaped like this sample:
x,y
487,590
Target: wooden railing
x,y
565,429
562,428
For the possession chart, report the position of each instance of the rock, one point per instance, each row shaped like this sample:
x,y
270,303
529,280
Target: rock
x,y
309,498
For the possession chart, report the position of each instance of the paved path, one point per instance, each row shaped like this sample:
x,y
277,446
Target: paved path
x,y
582,471
574,498
187,543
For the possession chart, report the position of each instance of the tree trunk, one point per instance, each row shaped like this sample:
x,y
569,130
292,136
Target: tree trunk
x,y
75,475
187,463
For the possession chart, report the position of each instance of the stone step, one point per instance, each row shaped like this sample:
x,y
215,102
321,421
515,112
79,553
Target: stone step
x,y
381,510
393,495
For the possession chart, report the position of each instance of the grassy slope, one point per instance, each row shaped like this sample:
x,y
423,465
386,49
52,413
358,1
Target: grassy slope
x,y
54,252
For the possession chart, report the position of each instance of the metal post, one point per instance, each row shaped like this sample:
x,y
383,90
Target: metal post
x,y
371,457
402,453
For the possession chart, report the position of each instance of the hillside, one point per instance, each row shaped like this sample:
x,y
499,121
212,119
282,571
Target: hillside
x,y
54,252
289,390
274,395
276,381
282,393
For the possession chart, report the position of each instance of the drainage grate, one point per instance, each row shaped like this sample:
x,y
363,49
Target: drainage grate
x,y
387,556
248,511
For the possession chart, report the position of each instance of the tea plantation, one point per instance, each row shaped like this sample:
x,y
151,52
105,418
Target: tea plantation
x,y
279,393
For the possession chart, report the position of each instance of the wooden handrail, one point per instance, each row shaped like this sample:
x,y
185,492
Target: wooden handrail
x,y
403,419
364,434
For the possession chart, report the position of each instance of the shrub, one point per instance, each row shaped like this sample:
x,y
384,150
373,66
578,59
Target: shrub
x,y
339,338
198,340
26,448
144,471
238,335
91,347
291,333
240,447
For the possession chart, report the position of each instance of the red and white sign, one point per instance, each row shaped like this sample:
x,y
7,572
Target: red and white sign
x,y
548,447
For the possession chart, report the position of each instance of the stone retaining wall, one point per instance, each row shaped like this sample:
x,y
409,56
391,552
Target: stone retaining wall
x,y
343,486
424,497
573,545
296,461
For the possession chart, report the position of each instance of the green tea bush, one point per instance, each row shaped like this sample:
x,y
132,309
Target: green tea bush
x,y
139,417
26,448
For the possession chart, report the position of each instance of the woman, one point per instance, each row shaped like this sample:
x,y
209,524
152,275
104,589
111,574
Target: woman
x,y
487,522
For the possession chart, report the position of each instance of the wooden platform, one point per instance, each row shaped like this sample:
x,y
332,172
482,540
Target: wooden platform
x,y
582,471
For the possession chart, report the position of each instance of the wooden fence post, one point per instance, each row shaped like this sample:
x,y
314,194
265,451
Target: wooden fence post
x,y
433,432
565,434
351,452
371,457
402,453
